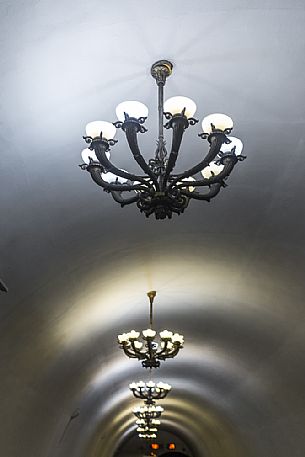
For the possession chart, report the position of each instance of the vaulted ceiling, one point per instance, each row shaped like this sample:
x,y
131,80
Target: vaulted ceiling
x,y
229,274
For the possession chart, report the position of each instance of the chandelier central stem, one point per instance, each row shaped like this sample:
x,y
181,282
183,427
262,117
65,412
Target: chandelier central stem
x,y
160,115
151,295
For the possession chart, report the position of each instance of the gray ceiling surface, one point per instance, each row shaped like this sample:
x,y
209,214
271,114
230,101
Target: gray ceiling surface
x,y
229,274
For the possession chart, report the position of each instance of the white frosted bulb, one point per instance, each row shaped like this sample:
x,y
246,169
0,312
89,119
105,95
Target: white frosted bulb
x,y
133,335
175,105
212,168
189,188
88,153
166,335
122,338
112,178
220,122
138,344
149,333
95,128
132,108
235,142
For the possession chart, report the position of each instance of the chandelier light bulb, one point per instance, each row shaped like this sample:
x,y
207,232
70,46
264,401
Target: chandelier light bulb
x,y
166,335
189,188
220,122
212,170
123,338
235,143
132,108
164,386
133,335
175,105
88,154
95,128
149,334
112,178
176,338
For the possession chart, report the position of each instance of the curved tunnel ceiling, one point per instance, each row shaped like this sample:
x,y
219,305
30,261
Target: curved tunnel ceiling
x,y
229,274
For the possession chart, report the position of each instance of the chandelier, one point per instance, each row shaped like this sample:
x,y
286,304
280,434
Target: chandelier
x,y
150,392
148,436
160,191
148,412
151,349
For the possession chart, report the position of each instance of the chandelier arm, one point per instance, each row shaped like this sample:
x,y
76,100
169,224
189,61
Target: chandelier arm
x,y
164,349
173,352
131,136
100,151
95,172
161,396
178,126
229,162
123,201
215,189
158,396
140,355
216,140
136,394
129,353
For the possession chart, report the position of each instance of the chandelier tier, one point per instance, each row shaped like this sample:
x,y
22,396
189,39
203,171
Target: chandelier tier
x,y
150,392
148,422
148,436
160,191
151,349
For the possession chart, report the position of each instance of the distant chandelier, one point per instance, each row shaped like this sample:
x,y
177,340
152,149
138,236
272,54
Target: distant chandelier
x,y
150,392
148,436
160,191
148,412
150,351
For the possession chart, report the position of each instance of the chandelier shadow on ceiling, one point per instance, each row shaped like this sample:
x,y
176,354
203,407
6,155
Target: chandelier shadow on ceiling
x,y
160,191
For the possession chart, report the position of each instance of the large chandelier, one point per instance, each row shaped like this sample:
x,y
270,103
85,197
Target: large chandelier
x,y
160,191
150,392
149,348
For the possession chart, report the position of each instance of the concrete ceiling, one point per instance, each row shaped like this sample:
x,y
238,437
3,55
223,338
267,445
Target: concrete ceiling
x,y
229,274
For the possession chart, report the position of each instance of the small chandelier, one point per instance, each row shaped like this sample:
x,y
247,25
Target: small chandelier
x,y
147,436
149,350
150,392
160,191
148,412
